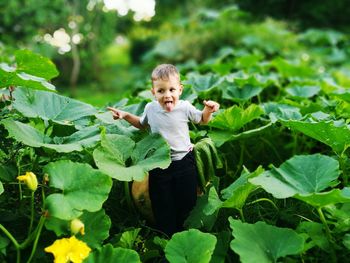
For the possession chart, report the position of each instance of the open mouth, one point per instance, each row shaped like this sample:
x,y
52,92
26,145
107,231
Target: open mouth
x,y
168,105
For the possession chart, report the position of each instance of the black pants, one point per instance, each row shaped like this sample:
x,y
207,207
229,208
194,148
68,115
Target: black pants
x,y
173,192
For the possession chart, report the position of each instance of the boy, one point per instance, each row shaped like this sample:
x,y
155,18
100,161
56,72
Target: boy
x,y
173,191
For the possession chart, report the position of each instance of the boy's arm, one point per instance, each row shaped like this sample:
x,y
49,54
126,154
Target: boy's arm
x,y
130,118
209,108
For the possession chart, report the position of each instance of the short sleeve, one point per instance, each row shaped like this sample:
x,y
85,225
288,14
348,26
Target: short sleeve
x,y
144,118
194,114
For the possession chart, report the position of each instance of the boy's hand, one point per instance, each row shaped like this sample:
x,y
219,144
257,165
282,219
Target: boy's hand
x,y
211,106
117,114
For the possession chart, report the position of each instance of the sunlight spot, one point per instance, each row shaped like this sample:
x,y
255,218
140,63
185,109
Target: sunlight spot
x,y
143,9
305,57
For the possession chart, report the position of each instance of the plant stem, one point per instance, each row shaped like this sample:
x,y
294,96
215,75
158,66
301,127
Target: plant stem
x,y
31,213
342,163
38,232
13,240
324,222
264,199
328,233
241,155
241,214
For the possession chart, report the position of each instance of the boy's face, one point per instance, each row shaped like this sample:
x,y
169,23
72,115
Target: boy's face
x,y
167,92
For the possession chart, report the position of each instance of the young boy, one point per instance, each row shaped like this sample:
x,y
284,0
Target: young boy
x,y
173,191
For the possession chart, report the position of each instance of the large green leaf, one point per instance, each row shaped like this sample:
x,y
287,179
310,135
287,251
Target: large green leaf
x,y
232,91
198,218
302,174
288,69
203,84
191,246
109,254
1,188
327,132
30,136
219,137
263,243
50,106
123,159
305,177
82,188
97,225
234,118
31,71
237,193
35,64
278,111
305,91
334,196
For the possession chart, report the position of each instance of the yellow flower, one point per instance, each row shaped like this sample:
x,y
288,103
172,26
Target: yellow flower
x,y
77,226
30,180
69,249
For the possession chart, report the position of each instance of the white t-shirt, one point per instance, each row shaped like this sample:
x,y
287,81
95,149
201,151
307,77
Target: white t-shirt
x,y
173,125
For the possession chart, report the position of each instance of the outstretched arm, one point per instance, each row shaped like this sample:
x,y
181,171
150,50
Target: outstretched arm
x,y
209,108
130,118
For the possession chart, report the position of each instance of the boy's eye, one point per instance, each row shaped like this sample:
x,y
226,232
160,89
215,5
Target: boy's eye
x,y
160,91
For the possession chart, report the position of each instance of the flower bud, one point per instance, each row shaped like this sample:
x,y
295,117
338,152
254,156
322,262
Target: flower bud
x,y
30,180
76,226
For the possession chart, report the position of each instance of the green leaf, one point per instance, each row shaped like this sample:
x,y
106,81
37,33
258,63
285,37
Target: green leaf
x,y
50,106
346,241
219,137
335,196
9,77
109,254
123,159
237,193
201,246
83,188
234,118
214,202
1,188
263,243
234,92
207,160
59,226
220,252
203,84
128,238
97,225
327,132
278,111
35,64
197,217
288,69
302,174
30,136
303,91
316,234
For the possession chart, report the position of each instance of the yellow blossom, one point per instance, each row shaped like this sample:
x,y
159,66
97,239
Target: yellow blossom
x,y
77,226
69,249
30,180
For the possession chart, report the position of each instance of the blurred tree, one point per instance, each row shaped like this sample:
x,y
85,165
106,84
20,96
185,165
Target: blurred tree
x,y
83,24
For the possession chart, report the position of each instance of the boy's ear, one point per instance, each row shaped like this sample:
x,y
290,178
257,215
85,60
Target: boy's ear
x,y
153,91
181,88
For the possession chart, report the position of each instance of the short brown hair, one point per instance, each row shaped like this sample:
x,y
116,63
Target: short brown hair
x,y
164,71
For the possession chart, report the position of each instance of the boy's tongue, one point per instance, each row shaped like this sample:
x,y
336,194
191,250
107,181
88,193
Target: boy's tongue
x,y
169,106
